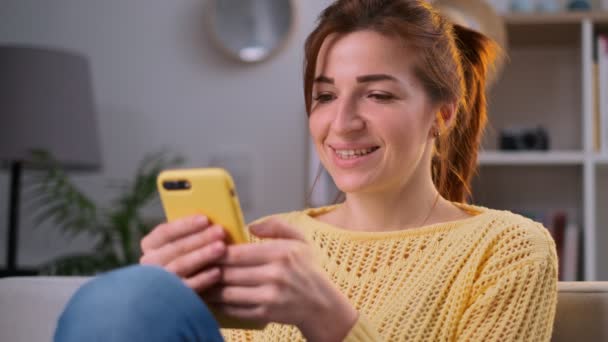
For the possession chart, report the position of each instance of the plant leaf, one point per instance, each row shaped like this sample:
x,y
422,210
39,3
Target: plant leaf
x,y
117,230
59,201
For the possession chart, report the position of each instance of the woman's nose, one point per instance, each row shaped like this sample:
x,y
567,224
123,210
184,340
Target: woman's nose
x,y
347,118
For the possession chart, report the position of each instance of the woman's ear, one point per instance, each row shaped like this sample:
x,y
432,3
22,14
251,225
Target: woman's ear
x,y
444,119
447,112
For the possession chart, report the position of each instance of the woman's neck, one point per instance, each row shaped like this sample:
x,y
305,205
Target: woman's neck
x,y
388,210
411,206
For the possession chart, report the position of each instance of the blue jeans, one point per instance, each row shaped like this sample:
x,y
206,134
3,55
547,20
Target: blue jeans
x,y
136,303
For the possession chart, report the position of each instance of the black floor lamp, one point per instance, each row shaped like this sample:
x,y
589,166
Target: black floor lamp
x,y
46,103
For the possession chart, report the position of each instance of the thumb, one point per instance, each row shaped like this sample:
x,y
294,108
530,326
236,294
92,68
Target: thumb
x,y
276,229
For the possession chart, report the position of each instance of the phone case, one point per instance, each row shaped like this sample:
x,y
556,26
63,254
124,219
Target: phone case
x,y
210,192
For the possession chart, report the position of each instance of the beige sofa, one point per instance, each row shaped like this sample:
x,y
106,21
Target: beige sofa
x,y
29,307
582,312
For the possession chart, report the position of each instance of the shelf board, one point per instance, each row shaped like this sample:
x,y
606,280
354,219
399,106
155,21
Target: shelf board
x,y
601,159
555,18
549,29
531,158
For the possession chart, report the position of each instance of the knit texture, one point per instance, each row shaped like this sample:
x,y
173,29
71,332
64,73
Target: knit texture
x,y
489,277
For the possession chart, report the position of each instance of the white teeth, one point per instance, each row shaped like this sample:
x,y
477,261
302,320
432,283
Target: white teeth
x,y
351,154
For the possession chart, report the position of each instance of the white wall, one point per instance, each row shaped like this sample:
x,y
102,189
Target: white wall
x,y
159,82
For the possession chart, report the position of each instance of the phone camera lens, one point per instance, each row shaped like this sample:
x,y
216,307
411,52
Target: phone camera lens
x,y
170,185
177,185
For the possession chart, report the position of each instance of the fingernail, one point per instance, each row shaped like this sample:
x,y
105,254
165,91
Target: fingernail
x,y
218,246
219,231
255,228
200,220
214,272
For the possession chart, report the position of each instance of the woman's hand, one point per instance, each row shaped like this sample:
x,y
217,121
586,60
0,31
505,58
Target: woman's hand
x,y
278,281
189,247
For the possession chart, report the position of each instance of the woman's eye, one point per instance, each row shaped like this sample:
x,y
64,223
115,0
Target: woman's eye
x,y
381,97
324,98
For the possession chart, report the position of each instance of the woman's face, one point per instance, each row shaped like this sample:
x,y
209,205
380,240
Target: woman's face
x,y
370,117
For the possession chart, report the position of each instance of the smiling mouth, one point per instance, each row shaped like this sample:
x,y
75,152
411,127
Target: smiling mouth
x,y
353,154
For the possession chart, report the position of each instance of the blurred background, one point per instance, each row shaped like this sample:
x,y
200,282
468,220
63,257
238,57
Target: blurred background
x,y
219,83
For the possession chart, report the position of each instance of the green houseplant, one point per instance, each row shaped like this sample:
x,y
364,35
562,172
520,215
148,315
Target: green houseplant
x,y
116,229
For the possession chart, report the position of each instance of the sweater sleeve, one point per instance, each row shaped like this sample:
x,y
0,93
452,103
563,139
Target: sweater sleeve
x,y
363,331
515,302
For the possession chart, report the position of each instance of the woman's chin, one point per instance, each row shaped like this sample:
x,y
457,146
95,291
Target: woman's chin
x,y
351,184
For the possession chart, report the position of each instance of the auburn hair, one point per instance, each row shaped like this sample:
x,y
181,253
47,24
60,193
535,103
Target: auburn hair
x,y
451,63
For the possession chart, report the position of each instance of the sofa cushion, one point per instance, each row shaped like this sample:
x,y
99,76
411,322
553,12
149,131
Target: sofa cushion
x,y
30,306
582,312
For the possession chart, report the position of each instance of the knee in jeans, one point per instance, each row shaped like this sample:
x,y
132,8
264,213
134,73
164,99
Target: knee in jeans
x,y
115,292
135,303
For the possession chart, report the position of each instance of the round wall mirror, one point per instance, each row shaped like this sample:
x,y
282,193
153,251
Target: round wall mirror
x,y
251,30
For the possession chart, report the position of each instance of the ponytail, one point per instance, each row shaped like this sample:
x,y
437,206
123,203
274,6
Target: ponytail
x,y
455,161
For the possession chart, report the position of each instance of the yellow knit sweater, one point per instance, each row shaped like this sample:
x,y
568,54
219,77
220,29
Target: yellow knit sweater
x,y
489,277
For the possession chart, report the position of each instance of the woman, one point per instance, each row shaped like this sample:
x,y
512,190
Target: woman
x,y
396,102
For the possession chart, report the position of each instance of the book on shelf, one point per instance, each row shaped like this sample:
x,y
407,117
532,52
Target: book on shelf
x,y
597,141
602,92
571,252
566,233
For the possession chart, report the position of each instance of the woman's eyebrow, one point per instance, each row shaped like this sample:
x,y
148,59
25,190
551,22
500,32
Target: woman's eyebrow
x,y
324,79
376,78
360,79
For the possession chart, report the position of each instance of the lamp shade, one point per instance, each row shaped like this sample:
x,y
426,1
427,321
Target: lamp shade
x,y
46,103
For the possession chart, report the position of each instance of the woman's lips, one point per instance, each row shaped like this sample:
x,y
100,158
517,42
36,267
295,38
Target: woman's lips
x,y
352,156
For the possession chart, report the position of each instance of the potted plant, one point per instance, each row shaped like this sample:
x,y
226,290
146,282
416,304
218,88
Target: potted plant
x,y
116,229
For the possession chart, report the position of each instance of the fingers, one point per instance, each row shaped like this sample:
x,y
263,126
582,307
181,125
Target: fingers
x,y
276,229
189,248
198,259
250,276
253,313
251,254
172,250
254,254
204,280
169,232
239,295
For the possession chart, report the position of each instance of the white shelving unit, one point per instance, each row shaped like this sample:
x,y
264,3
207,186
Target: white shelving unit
x,y
532,158
601,159
549,82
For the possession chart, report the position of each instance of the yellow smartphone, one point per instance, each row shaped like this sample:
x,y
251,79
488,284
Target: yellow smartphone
x,y
210,192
